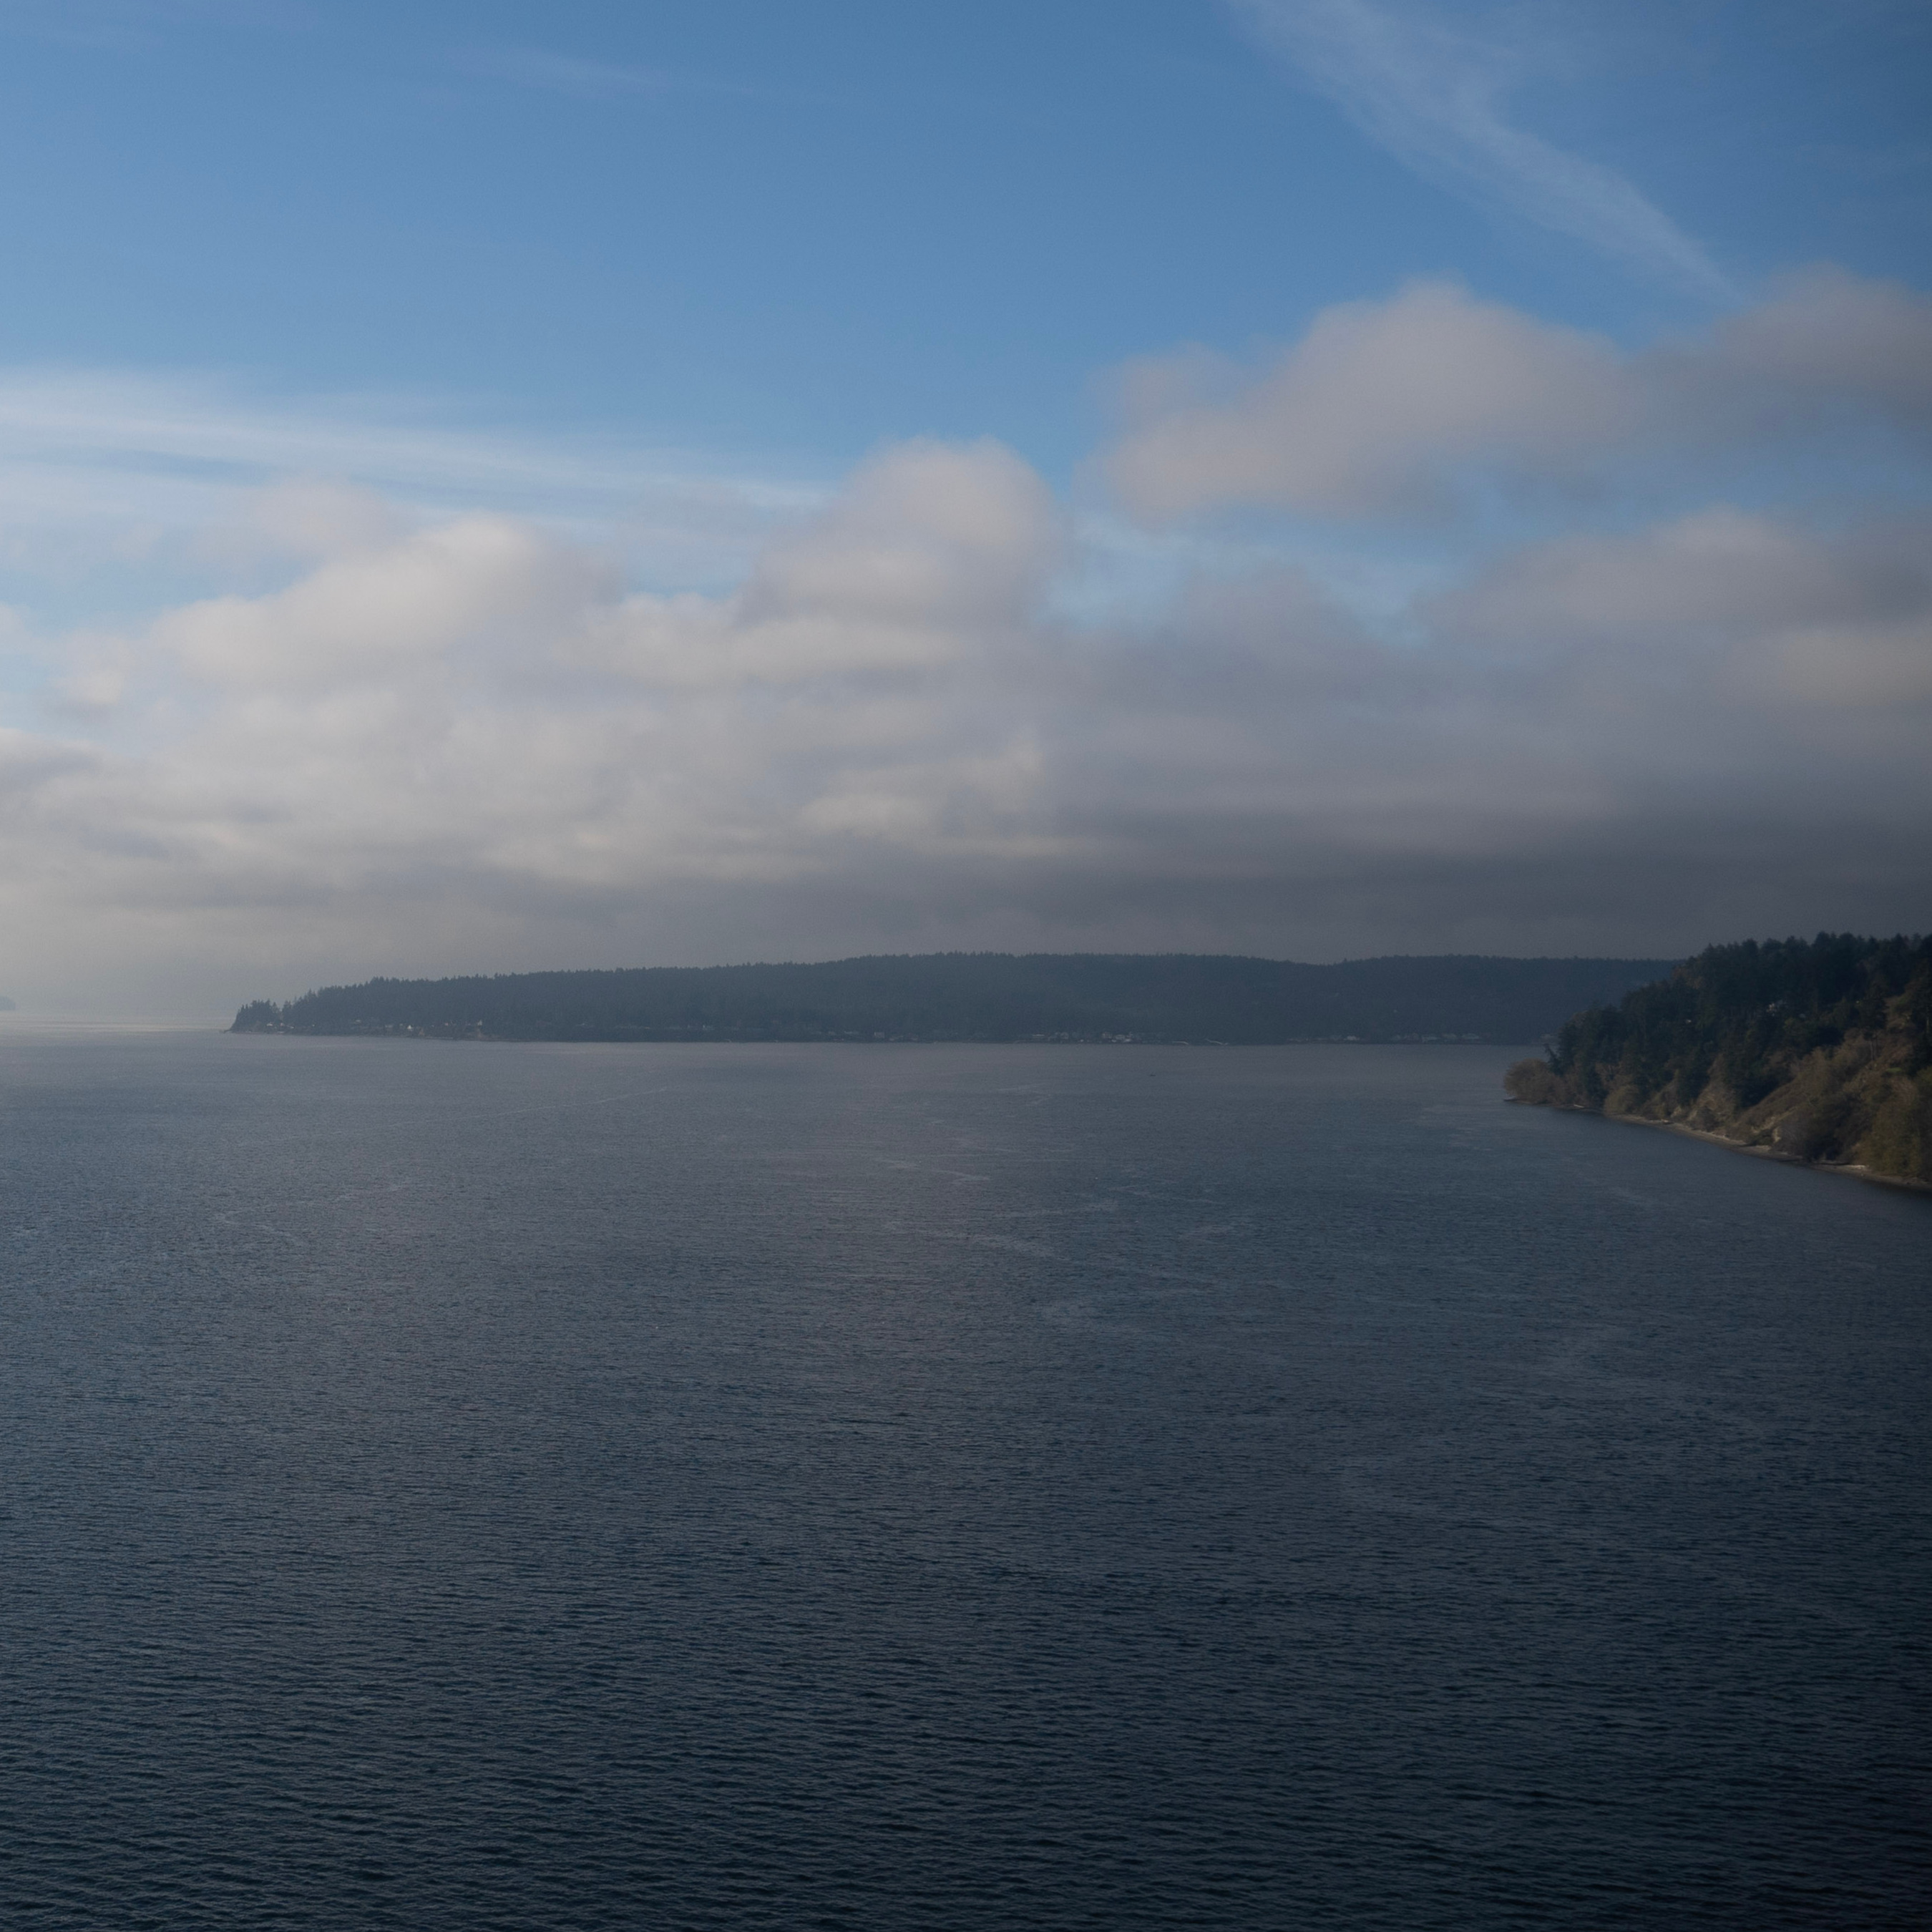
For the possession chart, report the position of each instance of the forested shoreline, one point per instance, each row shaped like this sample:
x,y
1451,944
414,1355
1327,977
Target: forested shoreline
x,y
1818,1050
1083,997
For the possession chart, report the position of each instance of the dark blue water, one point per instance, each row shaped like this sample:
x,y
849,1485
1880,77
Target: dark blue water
x,y
460,1487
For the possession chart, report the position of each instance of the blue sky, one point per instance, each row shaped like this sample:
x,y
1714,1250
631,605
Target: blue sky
x,y
804,229
662,292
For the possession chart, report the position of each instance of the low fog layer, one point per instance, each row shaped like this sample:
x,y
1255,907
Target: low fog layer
x,y
1666,678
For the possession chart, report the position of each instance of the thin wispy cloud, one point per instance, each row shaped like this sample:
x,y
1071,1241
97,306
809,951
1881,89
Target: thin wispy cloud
x,y
1435,97
84,450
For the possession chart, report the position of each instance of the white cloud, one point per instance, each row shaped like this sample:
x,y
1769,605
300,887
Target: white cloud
x,y
1827,343
466,746
387,736
1368,410
1719,570
1395,406
1771,613
479,582
1434,97
310,518
931,552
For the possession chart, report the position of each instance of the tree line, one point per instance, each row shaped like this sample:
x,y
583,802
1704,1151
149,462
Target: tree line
x,y
1820,1048
980,996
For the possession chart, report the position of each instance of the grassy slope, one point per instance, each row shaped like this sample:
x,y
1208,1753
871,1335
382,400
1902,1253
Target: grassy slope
x,y
1820,1050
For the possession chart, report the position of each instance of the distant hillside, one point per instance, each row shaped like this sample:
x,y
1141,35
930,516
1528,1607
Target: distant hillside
x,y
1819,1050
983,996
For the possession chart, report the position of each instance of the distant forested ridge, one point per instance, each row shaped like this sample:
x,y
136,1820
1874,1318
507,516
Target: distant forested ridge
x,y
1819,1050
983,996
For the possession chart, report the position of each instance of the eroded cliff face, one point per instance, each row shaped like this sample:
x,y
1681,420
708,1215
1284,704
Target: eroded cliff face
x,y
1800,1076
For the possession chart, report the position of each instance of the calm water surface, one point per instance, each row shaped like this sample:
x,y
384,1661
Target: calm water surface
x,y
464,1486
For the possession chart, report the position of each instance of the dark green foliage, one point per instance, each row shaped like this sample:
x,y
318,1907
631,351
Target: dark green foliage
x,y
987,996
1693,1072
1830,1040
1533,1082
1901,1140
1745,1015
1833,1128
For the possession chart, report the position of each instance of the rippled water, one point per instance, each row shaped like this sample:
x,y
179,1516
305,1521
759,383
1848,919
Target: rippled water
x,y
473,1487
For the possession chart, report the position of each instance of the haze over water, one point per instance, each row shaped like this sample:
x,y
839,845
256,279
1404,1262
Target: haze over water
x,y
479,1486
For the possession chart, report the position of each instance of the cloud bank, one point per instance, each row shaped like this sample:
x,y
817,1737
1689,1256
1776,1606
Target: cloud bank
x,y
463,741
1397,407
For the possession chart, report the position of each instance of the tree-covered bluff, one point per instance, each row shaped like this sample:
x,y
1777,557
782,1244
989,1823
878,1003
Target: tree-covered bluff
x,y
981,996
1818,1050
